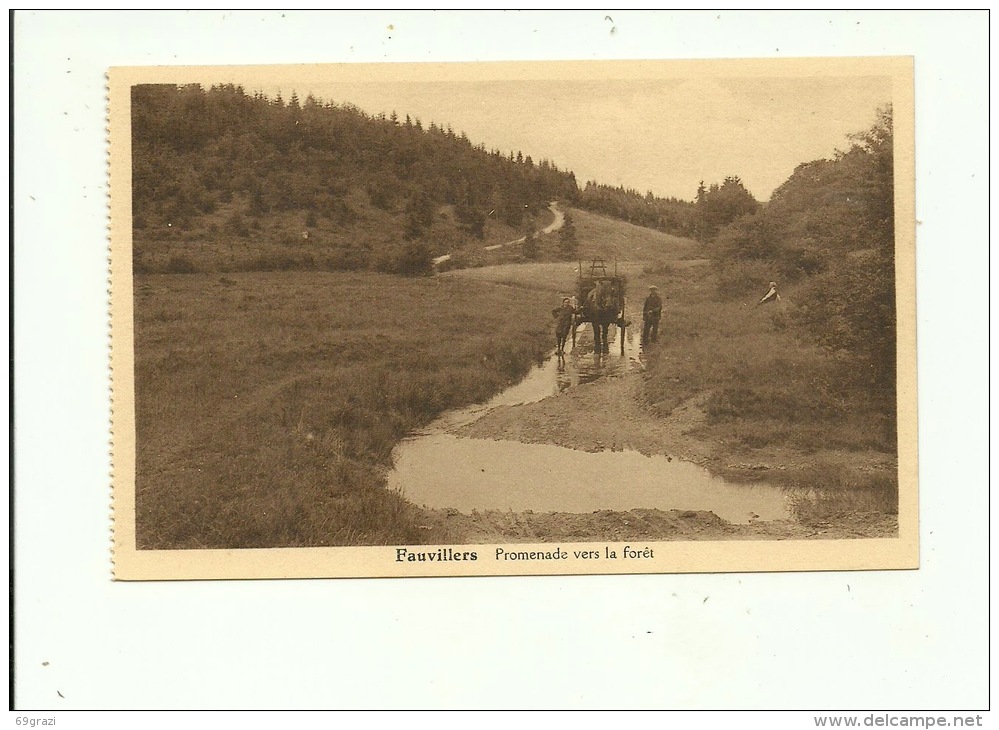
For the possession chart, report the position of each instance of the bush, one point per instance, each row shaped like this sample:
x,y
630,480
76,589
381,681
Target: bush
x,y
851,308
414,260
568,242
258,204
382,195
751,237
471,220
796,263
207,203
236,225
739,279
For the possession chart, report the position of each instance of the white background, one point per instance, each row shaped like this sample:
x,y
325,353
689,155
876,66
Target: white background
x,y
913,640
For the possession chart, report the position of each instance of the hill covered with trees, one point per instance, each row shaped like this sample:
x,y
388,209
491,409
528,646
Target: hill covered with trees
x,y
223,180
828,231
713,207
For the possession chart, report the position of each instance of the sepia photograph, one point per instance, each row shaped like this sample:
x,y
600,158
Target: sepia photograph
x,y
570,313
500,360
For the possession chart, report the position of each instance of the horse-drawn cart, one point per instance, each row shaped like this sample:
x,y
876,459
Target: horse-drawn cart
x,y
600,301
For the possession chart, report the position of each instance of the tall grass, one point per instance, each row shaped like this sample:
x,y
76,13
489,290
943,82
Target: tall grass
x,y
766,385
827,492
268,404
769,395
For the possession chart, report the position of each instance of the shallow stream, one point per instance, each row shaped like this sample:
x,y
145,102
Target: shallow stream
x,y
435,468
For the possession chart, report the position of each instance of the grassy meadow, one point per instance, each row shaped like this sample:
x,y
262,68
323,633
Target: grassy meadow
x,y
771,396
268,404
767,386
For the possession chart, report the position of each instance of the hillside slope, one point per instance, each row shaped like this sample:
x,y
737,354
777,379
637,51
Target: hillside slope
x,y
223,181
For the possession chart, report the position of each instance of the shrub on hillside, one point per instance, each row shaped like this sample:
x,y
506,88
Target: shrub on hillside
x,y
414,260
797,262
742,279
852,309
750,237
236,225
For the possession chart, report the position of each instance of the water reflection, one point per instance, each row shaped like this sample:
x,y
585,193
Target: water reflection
x,y
580,364
437,469
446,471
584,365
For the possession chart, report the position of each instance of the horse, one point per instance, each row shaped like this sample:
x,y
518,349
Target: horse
x,y
602,310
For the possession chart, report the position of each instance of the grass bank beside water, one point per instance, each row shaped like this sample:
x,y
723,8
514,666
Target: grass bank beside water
x,y
776,407
738,387
268,404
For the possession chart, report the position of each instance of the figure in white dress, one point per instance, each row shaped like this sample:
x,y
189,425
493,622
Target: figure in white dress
x,y
771,296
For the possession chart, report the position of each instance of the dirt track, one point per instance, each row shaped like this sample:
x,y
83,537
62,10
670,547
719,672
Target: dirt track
x,y
451,526
601,416
551,227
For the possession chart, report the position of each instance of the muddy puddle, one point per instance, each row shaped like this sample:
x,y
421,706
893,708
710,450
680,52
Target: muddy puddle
x,y
446,471
435,468
555,375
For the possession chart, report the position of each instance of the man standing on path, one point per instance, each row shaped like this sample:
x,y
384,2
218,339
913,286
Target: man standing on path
x,y
564,316
651,313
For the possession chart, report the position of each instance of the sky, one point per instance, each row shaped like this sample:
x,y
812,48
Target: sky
x,y
658,134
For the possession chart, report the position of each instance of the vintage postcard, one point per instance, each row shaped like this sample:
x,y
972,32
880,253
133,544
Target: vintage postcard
x,y
513,318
